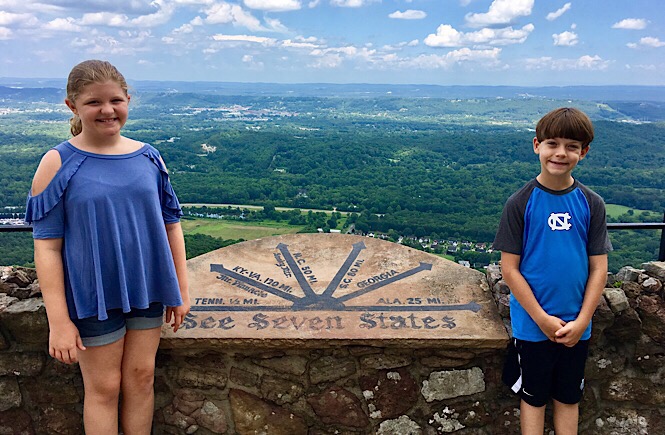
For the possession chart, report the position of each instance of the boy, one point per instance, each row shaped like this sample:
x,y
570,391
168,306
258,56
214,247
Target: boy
x,y
554,244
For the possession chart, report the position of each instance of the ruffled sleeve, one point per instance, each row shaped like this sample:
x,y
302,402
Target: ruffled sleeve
x,y
171,211
46,211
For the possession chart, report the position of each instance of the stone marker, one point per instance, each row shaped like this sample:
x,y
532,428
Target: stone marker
x,y
332,288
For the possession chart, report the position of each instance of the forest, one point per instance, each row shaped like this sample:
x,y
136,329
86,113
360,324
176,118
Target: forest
x,y
416,166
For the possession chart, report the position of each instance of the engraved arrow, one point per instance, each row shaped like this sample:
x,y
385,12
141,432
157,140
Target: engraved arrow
x,y
304,285
378,285
221,269
357,247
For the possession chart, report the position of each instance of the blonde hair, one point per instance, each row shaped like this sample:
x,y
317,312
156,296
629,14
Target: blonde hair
x,y
566,123
86,73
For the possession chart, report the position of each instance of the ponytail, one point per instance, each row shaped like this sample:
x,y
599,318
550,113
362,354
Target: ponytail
x,y
75,125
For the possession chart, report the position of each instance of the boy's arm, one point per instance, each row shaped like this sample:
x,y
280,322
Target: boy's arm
x,y
519,287
571,333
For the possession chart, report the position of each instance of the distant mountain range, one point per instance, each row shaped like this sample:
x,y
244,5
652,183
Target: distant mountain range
x,y
52,90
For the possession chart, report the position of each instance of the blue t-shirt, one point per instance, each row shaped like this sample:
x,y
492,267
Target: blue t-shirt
x,y
554,233
111,212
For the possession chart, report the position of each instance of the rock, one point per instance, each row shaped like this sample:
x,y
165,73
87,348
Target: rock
x,y
290,364
21,363
19,276
453,383
243,377
329,369
602,319
16,422
652,285
389,393
400,426
337,406
211,417
632,289
194,376
61,421
649,355
26,321
652,312
187,401
176,418
628,273
280,390
627,326
253,415
493,274
655,269
383,361
616,299
51,391
637,390
501,288
10,394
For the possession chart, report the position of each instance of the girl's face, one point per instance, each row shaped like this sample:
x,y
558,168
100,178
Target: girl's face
x,y
102,107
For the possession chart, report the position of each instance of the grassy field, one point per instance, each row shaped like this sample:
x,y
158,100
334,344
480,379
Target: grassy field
x,y
235,229
614,210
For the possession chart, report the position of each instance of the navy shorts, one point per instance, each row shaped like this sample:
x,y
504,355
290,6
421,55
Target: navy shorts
x,y
95,332
540,370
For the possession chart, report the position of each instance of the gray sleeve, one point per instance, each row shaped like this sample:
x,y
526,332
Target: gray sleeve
x,y
510,234
599,240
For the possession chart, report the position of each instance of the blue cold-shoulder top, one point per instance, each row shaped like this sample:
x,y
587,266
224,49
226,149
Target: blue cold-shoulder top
x,y
110,211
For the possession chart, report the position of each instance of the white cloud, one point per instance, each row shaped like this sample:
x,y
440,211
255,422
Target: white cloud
x,y
184,29
556,14
585,62
631,24
225,13
463,55
104,19
276,26
18,20
63,25
5,33
651,42
566,39
296,44
409,14
244,38
274,5
447,36
351,3
501,12
313,3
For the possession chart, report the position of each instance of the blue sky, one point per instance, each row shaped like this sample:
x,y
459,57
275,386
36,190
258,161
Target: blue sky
x,y
446,42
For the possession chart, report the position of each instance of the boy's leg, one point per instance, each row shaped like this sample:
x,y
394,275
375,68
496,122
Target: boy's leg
x,y
565,418
100,367
532,419
138,376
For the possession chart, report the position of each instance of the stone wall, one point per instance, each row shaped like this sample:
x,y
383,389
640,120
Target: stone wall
x,y
254,388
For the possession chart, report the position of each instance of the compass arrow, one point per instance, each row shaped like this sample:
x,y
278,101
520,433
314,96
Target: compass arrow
x,y
378,285
357,247
221,269
304,285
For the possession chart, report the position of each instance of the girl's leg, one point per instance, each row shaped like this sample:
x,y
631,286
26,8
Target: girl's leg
x,y
138,377
100,367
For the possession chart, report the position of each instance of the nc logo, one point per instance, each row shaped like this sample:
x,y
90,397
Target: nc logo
x,y
559,221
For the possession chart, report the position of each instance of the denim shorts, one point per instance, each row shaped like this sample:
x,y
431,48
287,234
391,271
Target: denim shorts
x,y
95,332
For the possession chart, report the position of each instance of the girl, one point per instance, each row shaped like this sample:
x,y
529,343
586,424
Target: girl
x,y
109,252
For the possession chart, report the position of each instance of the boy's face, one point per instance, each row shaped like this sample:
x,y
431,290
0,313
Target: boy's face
x,y
558,157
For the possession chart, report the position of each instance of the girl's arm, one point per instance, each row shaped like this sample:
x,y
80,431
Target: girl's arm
x,y
177,244
64,339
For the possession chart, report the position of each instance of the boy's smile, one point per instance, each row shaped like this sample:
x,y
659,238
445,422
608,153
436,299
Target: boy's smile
x,y
558,158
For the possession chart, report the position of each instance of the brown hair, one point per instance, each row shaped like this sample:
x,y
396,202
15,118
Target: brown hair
x,y
85,73
567,123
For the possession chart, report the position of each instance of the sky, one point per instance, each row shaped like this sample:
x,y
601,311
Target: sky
x,y
443,42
